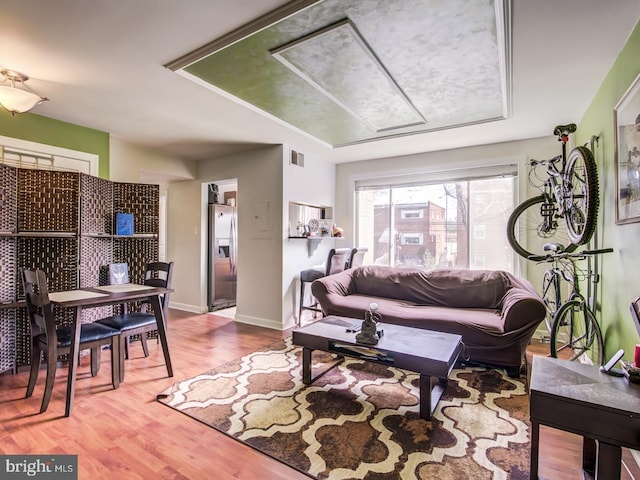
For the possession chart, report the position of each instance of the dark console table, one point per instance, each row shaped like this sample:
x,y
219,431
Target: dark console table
x,y
580,399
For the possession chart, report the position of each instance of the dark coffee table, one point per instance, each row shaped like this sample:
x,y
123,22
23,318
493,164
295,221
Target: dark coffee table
x,y
431,354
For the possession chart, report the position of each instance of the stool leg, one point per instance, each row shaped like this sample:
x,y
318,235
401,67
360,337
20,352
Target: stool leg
x,y
302,284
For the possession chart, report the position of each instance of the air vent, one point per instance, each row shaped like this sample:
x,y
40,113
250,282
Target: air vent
x,y
297,158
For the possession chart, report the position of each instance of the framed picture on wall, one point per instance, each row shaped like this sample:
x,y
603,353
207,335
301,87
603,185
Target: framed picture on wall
x,y
626,118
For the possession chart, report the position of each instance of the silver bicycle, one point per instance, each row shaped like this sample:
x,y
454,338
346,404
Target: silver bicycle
x,y
575,333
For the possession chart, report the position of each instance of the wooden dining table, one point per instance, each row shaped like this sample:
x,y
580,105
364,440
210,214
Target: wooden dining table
x,y
102,296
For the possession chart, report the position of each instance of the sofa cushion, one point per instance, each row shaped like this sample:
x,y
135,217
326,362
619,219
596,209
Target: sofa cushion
x,y
463,321
452,288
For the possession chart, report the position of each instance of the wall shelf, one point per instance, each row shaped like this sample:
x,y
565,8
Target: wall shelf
x,y
137,235
47,234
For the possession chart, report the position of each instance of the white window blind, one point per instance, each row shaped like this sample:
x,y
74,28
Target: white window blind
x,y
441,176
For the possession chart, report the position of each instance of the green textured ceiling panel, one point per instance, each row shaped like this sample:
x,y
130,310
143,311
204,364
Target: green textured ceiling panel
x,y
348,71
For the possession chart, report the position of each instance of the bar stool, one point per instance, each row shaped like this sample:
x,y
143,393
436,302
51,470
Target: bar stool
x,y
357,257
337,261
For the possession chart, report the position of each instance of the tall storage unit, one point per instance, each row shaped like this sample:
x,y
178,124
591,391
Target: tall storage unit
x,y
8,222
63,223
143,201
47,234
96,228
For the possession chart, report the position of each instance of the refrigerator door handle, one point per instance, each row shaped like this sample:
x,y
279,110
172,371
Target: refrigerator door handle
x,y
233,245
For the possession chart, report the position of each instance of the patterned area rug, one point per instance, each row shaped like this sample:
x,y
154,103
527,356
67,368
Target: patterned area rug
x,y
360,420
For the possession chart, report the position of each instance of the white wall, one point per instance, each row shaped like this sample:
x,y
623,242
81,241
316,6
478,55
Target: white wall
x,y
268,262
259,176
313,184
131,163
183,244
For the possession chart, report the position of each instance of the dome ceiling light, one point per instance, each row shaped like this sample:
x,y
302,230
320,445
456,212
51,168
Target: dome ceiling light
x,y
15,96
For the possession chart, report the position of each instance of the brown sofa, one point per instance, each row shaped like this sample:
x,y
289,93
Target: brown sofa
x,y
495,312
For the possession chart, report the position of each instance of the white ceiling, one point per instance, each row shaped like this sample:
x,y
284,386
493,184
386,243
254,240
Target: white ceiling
x,y
101,64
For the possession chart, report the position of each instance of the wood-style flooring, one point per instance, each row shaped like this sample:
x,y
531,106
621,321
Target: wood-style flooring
x,y
127,434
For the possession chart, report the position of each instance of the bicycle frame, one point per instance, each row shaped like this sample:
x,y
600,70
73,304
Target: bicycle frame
x,y
568,195
556,274
575,327
554,186
560,270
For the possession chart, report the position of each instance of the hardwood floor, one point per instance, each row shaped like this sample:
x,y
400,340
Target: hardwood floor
x,y
127,434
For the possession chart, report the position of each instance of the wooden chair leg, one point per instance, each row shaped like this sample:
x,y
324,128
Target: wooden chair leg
x,y
126,345
302,284
95,361
123,340
52,360
143,340
33,372
115,361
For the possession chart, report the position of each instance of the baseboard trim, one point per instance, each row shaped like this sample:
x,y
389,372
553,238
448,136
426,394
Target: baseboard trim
x,y
249,320
259,322
185,307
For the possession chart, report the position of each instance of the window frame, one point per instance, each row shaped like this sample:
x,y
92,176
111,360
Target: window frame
x,y
390,182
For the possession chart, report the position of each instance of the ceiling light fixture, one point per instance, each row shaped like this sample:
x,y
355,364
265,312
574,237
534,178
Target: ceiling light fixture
x,y
15,96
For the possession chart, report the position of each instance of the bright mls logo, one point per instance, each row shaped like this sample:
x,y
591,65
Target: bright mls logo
x,y
51,467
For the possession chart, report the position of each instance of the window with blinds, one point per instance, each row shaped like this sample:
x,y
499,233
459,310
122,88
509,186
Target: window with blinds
x,y
453,219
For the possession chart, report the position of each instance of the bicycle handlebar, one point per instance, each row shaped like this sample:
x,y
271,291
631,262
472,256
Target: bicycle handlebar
x,y
597,251
549,257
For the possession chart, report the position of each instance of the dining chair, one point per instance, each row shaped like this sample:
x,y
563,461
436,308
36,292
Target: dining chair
x,y
336,262
52,340
157,274
356,258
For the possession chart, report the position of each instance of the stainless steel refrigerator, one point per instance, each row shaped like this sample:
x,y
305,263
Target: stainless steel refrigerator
x,y
222,246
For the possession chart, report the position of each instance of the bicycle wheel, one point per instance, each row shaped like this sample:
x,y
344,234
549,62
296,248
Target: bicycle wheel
x,y
576,335
550,297
532,224
581,195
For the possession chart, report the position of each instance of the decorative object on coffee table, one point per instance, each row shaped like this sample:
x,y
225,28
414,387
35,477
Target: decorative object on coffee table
x,y
369,331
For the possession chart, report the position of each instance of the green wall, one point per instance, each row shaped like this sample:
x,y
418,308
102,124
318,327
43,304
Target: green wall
x,y
620,281
36,128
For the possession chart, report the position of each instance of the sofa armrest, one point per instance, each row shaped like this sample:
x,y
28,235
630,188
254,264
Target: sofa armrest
x,y
522,308
339,284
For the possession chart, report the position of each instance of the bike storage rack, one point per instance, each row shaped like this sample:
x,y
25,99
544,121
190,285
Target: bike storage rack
x,y
564,218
